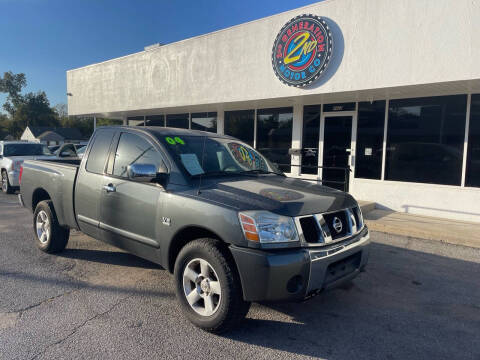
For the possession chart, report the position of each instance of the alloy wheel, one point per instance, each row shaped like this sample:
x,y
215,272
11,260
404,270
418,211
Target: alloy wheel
x,y
202,287
43,227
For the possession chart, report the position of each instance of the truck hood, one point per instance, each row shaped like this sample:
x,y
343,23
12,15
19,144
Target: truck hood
x,y
281,195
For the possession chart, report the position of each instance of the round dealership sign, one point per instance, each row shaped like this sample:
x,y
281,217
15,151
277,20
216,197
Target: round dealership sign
x,y
302,50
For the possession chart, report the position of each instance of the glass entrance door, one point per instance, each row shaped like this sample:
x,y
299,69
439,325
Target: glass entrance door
x,y
337,139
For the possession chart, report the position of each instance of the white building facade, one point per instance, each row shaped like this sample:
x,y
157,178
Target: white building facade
x,y
387,89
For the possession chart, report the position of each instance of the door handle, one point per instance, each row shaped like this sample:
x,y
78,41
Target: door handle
x,y
109,188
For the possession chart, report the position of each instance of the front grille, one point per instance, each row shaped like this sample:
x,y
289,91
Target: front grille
x,y
327,228
310,229
340,219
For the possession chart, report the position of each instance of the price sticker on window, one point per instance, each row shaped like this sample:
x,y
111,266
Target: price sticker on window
x,y
175,140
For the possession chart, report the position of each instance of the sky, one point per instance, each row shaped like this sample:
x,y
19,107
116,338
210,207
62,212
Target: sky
x,y
45,38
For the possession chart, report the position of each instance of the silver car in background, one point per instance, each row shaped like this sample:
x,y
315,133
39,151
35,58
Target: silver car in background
x,y
12,155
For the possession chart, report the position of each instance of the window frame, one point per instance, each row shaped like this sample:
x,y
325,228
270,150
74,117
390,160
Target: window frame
x,y
467,149
275,111
253,113
383,142
86,155
427,98
192,116
145,136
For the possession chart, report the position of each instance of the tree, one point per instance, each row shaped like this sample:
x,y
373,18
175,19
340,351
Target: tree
x,y
29,109
12,84
62,111
4,126
34,110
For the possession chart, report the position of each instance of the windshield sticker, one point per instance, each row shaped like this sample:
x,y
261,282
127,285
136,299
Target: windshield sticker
x,y
247,157
175,140
190,161
179,140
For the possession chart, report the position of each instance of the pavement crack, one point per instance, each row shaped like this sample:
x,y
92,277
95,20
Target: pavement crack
x,y
78,327
21,311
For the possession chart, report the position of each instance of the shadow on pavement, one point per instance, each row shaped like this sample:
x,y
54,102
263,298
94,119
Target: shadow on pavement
x,y
407,305
108,257
78,285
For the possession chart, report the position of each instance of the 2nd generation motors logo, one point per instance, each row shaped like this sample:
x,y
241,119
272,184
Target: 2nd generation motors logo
x,y
302,50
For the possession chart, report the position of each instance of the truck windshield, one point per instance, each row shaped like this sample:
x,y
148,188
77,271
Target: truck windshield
x,y
203,155
25,150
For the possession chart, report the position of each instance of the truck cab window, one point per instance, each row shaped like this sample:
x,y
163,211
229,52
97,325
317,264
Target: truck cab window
x,y
99,152
132,149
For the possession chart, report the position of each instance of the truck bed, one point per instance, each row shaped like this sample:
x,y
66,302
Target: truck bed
x,y
68,161
56,178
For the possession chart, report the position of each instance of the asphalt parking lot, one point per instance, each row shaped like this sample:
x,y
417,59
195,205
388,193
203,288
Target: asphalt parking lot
x,y
417,300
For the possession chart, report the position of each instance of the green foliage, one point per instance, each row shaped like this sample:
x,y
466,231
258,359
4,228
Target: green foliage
x,y
12,84
108,122
83,124
23,110
34,109
4,126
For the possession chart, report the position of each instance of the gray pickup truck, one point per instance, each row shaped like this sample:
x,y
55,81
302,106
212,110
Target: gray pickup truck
x,y
212,210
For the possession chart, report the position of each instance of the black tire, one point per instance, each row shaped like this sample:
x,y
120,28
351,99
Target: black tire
x,y
6,187
231,308
56,239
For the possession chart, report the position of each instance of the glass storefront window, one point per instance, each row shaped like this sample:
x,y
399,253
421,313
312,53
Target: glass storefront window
x,y
206,121
370,128
425,139
473,153
178,121
155,120
240,124
274,135
310,139
135,121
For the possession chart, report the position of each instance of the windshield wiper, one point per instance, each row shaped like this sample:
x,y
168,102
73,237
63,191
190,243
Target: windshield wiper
x,y
260,171
213,173
235,173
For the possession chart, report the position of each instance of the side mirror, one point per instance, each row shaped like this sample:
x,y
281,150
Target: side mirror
x,y
142,172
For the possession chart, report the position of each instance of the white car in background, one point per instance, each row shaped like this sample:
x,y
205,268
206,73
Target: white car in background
x,y
12,155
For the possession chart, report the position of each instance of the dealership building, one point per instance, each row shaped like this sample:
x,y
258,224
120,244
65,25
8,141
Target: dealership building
x,y
378,97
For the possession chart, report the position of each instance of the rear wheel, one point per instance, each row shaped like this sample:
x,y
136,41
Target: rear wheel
x,y
6,187
49,235
208,286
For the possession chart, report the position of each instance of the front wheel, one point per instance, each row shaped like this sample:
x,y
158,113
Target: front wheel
x,y
208,286
6,187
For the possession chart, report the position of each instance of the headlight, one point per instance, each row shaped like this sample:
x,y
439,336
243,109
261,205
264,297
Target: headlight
x,y
267,227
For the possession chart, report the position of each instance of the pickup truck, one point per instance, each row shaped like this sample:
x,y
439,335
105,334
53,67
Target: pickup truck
x,y
12,155
208,208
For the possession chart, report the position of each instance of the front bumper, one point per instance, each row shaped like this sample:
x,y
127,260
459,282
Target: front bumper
x,y
297,273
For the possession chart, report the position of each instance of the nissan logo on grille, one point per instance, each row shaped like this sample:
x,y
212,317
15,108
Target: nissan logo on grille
x,y
337,224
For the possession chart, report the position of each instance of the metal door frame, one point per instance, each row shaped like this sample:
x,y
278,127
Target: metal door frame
x,y
353,141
